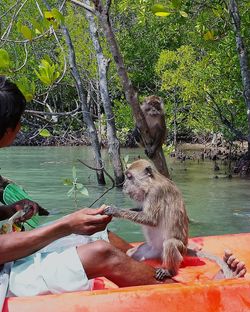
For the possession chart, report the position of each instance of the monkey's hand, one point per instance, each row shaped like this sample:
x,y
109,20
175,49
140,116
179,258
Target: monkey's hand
x,y
111,211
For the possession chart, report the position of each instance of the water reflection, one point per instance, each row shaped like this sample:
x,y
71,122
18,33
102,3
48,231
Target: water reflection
x,y
216,206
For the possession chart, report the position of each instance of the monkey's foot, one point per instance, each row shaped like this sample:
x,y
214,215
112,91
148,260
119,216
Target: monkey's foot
x,y
235,265
161,274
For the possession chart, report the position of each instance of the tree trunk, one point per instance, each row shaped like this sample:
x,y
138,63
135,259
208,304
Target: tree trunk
x,y
243,57
85,111
131,96
99,114
113,142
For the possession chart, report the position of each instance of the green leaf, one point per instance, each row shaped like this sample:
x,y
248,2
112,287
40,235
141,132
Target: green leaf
x,y
54,17
4,60
49,15
183,14
28,96
67,182
37,26
70,192
27,88
47,72
160,10
42,77
209,35
78,186
19,26
176,3
84,192
126,158
26,32
44,133
58,15
217,13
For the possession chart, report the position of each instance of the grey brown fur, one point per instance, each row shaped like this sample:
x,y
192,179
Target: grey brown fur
x,y
153,111
163,216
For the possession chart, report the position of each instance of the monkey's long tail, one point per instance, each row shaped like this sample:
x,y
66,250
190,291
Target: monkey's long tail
x,y
228,273
171,255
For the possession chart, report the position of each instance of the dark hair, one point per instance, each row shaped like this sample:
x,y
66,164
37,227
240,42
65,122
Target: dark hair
x,y
12,105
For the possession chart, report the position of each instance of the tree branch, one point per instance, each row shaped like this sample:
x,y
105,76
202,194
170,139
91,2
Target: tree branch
x,y
52,113
238,134
83,5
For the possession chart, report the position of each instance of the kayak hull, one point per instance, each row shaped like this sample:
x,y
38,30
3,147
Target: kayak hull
x,y
197,291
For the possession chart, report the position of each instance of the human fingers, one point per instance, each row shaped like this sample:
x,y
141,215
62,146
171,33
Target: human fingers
x,y
89,211
100,210
91,229
98,219
94,211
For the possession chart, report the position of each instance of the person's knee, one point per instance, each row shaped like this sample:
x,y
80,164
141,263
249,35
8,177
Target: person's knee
x,y
99,258
99,250
104,250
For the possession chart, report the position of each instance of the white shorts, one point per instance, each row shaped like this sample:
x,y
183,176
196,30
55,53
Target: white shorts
x,y
53,269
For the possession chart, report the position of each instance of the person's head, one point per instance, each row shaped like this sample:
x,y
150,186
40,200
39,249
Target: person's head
x,y
12,105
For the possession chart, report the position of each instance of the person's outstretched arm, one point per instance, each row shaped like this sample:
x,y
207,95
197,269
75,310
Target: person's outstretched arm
x,y
20,244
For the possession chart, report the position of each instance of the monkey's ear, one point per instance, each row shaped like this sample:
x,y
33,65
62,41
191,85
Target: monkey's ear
x,y
149,171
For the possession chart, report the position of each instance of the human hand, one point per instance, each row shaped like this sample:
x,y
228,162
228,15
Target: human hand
x,y
29,207
87,221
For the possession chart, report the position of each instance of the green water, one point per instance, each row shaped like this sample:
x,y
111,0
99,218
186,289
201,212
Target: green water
x,y
216,206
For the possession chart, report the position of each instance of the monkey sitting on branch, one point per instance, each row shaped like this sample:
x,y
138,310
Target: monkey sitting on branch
x,y
162,213
153,111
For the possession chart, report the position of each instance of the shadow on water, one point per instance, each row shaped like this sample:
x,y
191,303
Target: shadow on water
x,y
215,206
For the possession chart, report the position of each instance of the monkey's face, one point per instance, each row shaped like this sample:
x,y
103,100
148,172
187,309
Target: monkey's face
x,y
132,187
152,108
137,181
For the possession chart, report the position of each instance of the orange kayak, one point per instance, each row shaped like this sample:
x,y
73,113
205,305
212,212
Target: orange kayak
x,y
196,290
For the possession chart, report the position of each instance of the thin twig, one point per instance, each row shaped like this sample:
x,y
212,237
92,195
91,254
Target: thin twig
x,y
98,169
26,58
8,29
104,170
52,113
91,205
